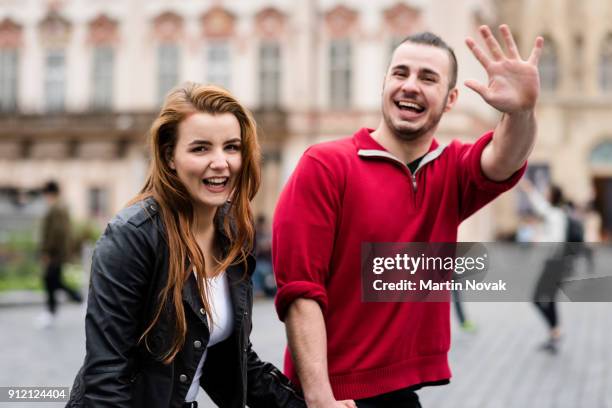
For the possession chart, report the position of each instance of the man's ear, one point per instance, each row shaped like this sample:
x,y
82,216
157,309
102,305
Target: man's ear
x,y
451,99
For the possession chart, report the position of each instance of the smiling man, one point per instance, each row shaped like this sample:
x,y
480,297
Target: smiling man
x,y
392,184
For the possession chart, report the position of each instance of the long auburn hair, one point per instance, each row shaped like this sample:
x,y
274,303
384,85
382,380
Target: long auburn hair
x,y
176,206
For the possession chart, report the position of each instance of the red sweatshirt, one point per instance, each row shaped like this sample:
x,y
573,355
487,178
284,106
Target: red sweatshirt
x,y
350,191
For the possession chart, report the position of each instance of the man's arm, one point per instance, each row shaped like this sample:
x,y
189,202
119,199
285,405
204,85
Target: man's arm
x,y
513,88
307,340
512,143
303,234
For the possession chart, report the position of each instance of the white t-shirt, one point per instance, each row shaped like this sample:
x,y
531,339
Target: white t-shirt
x,y
555,220
221,303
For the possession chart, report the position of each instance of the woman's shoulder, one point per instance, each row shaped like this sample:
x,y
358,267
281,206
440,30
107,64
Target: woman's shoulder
x,y
138,221
137,214
133,230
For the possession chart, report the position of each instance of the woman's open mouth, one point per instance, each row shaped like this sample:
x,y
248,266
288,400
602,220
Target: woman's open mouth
x,y
215,184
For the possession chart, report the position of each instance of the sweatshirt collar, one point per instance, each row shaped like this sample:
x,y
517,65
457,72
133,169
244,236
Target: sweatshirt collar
x,y
368,147
364,141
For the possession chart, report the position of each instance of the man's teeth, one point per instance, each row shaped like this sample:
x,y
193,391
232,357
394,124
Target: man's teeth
x,y
410,105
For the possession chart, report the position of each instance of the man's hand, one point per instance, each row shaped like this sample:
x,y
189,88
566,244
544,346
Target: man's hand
x,y
514,83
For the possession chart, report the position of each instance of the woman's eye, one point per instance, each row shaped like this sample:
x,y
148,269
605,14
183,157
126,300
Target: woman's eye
x,y
233,147
199,149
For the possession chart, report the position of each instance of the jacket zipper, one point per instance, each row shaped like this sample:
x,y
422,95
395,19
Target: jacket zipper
x,y
429,157
414,182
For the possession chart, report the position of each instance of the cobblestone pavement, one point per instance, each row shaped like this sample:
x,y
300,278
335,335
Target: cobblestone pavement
x,y
498,366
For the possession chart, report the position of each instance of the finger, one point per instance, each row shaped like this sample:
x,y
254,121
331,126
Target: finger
x,y
509,42
492,44
477,87
536,52
478,52
349,404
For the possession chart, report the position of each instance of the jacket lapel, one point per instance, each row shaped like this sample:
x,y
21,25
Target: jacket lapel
x,y
192,297
238,288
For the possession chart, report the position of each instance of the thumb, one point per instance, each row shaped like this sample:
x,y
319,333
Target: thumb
x,y
477,87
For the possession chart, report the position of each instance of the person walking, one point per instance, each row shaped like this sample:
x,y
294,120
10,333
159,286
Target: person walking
x,y
562,226
552,230
54,251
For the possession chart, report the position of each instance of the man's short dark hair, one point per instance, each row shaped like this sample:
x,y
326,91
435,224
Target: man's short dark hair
x,y
51,187
428,38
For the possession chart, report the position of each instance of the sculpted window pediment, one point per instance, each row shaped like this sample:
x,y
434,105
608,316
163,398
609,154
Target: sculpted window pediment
x,y
341,21
218,23
103,30
401,19
270,23
10,34
168,27
55,29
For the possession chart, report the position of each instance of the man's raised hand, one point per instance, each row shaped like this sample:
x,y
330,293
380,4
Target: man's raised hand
x,y
513,83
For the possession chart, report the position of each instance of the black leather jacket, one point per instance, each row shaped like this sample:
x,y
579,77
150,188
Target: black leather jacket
x,y
130,266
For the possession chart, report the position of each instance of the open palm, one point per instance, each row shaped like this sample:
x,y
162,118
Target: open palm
x,y
513,83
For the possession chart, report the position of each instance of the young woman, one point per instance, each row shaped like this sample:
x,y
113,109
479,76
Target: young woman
x,y
170,299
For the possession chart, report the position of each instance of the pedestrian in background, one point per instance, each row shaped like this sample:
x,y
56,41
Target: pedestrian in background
x,y
560,224
553,230
263,279
54,251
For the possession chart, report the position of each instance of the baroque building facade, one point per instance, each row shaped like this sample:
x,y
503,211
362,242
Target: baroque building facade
x,y
81,81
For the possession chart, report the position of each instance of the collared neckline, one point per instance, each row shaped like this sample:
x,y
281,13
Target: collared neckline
x,y
365,141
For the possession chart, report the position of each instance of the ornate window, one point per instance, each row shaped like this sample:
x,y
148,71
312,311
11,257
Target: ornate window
x,y
341,73
167,69
602,154
103,35
10,39
270,27
269,74
218,62
168,31
98,202
549,66
102,78
8,79
605,65
55,80
55,31
341,22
